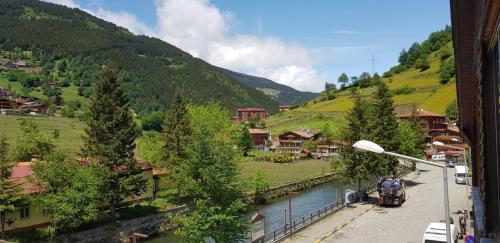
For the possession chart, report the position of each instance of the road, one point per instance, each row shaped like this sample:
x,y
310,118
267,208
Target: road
x,y
371,223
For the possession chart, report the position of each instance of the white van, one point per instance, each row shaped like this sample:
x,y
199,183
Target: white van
x,y
436,233
460,176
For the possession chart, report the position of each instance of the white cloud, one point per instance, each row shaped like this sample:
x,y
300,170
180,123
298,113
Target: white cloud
x,y
200,28
67,3
123,19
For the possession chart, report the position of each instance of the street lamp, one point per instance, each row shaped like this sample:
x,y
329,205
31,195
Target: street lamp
x,y
437,143
369,146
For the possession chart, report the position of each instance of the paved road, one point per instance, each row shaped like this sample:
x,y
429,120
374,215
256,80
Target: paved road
x,y
369,223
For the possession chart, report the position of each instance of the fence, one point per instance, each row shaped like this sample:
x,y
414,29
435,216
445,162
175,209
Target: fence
x,y
286,230
314,216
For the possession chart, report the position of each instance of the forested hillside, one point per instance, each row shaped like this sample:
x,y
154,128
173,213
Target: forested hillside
x,y
71,46
424,78
279,92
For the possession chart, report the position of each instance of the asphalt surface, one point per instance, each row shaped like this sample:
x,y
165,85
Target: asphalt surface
x,y
372,223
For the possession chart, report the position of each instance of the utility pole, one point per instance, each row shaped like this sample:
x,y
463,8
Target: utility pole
x,y
373,64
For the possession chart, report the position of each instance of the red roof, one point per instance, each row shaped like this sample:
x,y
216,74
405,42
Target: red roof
x,y
20,173
284,106
251,109
421,113
300,133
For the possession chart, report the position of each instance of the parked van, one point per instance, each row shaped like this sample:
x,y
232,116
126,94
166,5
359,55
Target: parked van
x,y
460,176
436,233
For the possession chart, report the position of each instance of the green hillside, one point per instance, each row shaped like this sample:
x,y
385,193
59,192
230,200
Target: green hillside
x,y
71,46
413,86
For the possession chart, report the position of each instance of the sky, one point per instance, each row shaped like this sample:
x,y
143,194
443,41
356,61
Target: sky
x,y
302,44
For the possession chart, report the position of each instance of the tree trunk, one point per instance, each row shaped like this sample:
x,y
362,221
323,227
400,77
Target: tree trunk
x,y
112,209
2,221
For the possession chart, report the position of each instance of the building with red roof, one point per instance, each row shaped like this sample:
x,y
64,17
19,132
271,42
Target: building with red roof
x,y
259,137
294,140
29,217
247,114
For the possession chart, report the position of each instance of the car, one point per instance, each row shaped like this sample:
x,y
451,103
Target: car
x,y
450,163
436,233
460,176
391,191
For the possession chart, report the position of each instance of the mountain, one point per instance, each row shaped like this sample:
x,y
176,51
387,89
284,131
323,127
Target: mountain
x,y
279,92
424,79
72,45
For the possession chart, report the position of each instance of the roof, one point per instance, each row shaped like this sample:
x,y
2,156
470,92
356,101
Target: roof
x,y
22,170
300,133
284,106
251,109
257,131
420,113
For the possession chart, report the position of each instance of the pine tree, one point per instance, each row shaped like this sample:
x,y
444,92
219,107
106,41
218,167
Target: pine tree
x,y
384,126
177,133
110,139
355,167
10,196
246,141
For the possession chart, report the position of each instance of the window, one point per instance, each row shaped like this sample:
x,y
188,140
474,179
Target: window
x,y
25,212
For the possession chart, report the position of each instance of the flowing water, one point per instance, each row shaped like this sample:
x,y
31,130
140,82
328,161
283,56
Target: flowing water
x,y
303,204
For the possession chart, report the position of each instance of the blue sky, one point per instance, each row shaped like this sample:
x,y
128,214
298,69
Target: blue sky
x,y
302,44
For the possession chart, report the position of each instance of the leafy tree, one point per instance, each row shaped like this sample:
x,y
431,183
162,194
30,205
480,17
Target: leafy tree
x,y
422,64
403,55
31,143
452,111
376,80
210,179
384,126
109,139
343,80
246,141
153,121
330,87
259,185
10,191
447,70
408,140
150,148
310,145
70,199
365,80
354,80
413,54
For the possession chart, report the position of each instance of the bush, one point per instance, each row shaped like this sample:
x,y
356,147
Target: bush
x,y
422,64
153,121
403,91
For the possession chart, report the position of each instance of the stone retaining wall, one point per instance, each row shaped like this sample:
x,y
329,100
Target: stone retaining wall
x,y
122,231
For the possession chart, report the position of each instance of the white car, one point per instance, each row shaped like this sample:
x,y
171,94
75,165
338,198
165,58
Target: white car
x,y
460,174
436,233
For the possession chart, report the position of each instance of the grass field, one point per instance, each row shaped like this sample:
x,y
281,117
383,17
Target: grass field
x,y
428,94
70,130
279,174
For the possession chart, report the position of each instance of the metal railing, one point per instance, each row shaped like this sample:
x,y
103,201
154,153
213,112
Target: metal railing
x,y
298,224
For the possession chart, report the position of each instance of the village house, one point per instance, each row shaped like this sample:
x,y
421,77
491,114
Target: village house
x,y
284,108
248,114
434,122
29,217
294,140
5,93
259,137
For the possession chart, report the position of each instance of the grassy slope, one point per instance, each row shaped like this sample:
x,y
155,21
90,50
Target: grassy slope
x,y
429,95
70,130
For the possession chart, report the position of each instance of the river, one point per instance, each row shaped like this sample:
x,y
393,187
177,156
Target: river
x,y
303,204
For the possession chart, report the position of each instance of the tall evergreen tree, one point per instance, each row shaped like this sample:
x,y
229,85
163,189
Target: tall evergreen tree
x,y
246,141
355,167
384,126
177,133
10,196
110,139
